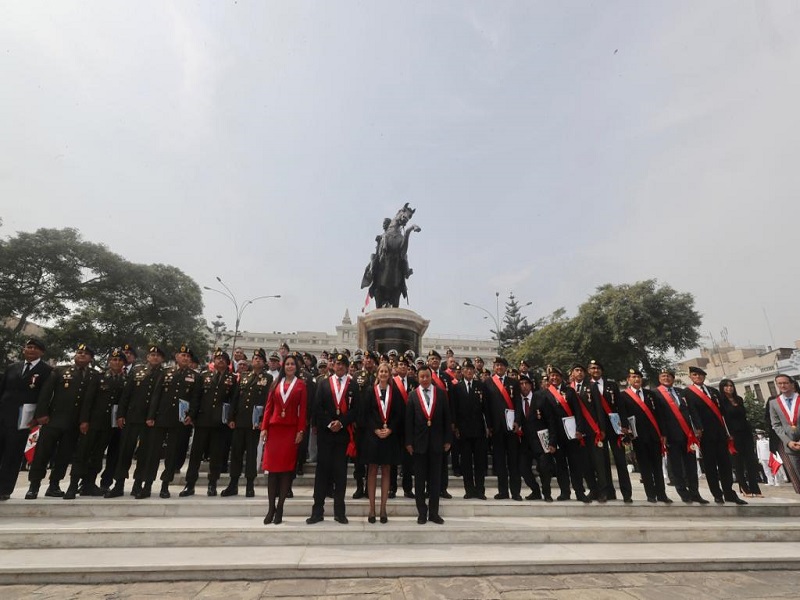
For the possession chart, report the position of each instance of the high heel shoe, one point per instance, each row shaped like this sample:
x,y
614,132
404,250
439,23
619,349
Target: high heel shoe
x,y
270,516
371,517
278,516
384,518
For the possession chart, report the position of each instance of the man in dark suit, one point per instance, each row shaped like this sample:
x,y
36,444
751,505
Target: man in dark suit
x,y
428,434
335,410
715,441
58,411
502,395
570,453
606,393
20,385
469,421
441,379
593,415
534,414
678,420
648,445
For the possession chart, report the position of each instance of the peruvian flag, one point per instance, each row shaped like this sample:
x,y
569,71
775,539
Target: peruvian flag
x,y
775,463
30,445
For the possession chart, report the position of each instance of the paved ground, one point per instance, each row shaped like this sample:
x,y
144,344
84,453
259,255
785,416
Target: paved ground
x,y
618,586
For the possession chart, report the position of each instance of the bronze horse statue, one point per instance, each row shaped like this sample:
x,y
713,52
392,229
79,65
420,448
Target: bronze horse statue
x,y
388,269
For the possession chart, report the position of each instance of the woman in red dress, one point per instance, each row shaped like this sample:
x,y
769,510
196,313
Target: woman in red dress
x,y
282,430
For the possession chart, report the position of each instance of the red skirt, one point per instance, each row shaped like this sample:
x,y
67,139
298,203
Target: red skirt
x,y
280,451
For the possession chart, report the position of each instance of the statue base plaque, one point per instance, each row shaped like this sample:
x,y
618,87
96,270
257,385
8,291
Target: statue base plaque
x,y
386,329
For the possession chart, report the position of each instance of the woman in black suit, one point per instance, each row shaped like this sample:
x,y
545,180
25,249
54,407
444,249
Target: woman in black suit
x,y
745,463
382,413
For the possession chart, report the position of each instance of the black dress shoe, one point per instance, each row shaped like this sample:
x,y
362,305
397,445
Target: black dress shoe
x,y
562,497
290,494
371,519
699,499
384,518
501,496
436,519
115,492
71,493
584,499
738,501
393,494
270,516
602,499
480,496
212,489
422,520
664,499
32,494
164,493
686,499
250,492
409,495
231,490
145,492
4,497
469,496
533,496
358,494
516,497
548,498
137,487
54,491
651,500
719,500
278,519
91,490
343,520
628,500
314,519
187,491
446,495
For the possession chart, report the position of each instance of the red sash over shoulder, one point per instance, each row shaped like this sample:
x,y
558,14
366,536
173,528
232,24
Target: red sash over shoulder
x,y
687,431
650,416
503,392
715,409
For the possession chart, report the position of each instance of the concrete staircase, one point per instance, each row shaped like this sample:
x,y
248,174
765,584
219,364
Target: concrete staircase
x,y
94,540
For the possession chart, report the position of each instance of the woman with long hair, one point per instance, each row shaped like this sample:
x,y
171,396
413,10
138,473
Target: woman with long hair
x,y
282,430
745,463
382,414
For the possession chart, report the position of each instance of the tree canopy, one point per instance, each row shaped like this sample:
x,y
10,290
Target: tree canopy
x,y
81,291
515,326
631,325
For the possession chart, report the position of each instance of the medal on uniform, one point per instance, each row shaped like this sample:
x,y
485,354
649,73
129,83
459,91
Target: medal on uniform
x,y
338,392
66,384
285,393
599,443
384,409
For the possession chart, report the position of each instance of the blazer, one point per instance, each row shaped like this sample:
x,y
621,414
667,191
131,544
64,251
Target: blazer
x,y
140,386
669,424
252,392
495,413
645,431
16,390
559,413
97,412
781,426
540,416
469,409
292,413
324,410
172,386
590,399
63,395
611,396
707,421
215,390
371,417
423,438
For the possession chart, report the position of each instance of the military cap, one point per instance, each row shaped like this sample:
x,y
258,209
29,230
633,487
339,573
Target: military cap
x,y
156,350
420,361
525,377
391,353
578,366
434,354
274,356
479,359
284,345
403,360
358,358
36,342
667,371
551,369
500,360
84,348
372,354
458,368
118,353
322,362
467,364
513,372
346,351
220,353
634,371
193,357
449,351
697,371
130,348
184,348
342,358
410,355
261,353
524,363
596,363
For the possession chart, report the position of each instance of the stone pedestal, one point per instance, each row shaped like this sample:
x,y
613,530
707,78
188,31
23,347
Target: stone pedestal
x,y
385,329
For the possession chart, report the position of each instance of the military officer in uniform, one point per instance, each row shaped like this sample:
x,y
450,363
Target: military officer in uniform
x,y
247,411
209,415
469,408
19,386
98,419
166,419
115,437
534,414
594,416
142,383
502,396
58,411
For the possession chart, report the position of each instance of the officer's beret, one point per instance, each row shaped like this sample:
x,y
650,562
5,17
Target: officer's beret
x,y
434,354
156,350
85,348
402,360
551,369
578,366
525,377
500,360
524,363
667,371
372,354
596,363
696,371
118,353
261,353
284,345
634,371
467,364
184,349
220,353
342,358
37,343
130,348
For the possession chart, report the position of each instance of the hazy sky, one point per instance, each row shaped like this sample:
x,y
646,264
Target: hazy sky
x,y
548,147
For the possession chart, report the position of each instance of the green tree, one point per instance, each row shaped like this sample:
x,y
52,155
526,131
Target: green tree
x,y
84,292
515,326
555,342
756,414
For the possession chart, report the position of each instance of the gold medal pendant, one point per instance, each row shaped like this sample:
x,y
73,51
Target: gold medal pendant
x,y
66,384
384,425
338,411
429,422
283,413
600,444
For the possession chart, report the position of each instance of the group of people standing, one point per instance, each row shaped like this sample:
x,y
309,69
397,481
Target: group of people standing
x,y
387,414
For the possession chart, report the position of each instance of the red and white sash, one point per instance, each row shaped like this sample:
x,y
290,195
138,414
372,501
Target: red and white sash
x,y
650,416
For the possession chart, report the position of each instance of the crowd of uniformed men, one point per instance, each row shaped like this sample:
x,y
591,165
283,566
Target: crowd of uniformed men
x,y
567,425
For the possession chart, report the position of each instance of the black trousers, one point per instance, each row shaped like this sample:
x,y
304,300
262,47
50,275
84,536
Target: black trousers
x,y
54,444
331,471
617,450
505,460
683,465
12,450
455,456
445,477
112,457
474,464
183,447
427,473
570,462
648,455
745,464
133,435
407,467
245,446
545,466
595,474
717,463
209,440
173,437
89,456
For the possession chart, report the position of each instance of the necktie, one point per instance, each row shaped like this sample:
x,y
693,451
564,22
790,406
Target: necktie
x,y
789,403
639,393
26,369
527,406
675,396
427,398
467,388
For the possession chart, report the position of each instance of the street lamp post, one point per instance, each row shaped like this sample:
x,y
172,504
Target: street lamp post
x,y
495,318
239,309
